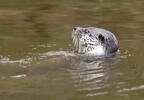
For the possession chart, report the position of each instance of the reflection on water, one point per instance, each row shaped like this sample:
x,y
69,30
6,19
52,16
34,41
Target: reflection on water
x,y
91,76
36,51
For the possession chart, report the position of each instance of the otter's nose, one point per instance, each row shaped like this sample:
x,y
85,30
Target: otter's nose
x,y
75,28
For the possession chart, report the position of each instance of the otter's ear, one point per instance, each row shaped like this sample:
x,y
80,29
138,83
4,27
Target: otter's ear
x,y
101,38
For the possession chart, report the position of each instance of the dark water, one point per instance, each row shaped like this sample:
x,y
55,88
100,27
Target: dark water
x,y
35,40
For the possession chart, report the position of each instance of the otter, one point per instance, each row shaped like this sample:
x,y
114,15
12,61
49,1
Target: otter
x,y
95,41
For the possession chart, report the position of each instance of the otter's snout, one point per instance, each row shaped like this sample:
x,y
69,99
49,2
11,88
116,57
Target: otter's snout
x,y
76,31
77,28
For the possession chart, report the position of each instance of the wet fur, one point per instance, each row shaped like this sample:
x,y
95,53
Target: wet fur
x,y
86,40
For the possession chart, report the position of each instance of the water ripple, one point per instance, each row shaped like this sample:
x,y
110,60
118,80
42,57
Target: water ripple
x,y
140,87
19,76
6,60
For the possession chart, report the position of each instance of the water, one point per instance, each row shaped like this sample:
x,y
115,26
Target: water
x,y
36,62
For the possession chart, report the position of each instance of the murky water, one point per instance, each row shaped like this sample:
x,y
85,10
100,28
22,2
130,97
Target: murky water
x,y
36,62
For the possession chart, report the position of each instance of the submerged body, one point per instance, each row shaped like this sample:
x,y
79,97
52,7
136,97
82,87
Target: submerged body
x,y
95,41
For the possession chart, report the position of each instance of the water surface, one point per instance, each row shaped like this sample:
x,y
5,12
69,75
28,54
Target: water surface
x,y
36,62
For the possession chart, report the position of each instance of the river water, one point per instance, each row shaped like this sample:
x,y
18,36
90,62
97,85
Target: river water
x,y
36,62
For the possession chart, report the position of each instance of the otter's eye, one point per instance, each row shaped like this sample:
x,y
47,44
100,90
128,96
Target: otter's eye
x,y
86,31
101,38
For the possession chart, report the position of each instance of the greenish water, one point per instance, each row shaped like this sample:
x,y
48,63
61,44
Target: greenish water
x,y
35,40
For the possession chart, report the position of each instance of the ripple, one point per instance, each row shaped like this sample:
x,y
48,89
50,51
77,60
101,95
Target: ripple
x,y
33,58
57,53
19,76
125,54
47,45
140,87
131,89
6,60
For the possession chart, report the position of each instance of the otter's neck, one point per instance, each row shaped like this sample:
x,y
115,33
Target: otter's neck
x,y
97,51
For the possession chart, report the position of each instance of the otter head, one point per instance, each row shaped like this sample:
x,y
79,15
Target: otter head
x,y
94,41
